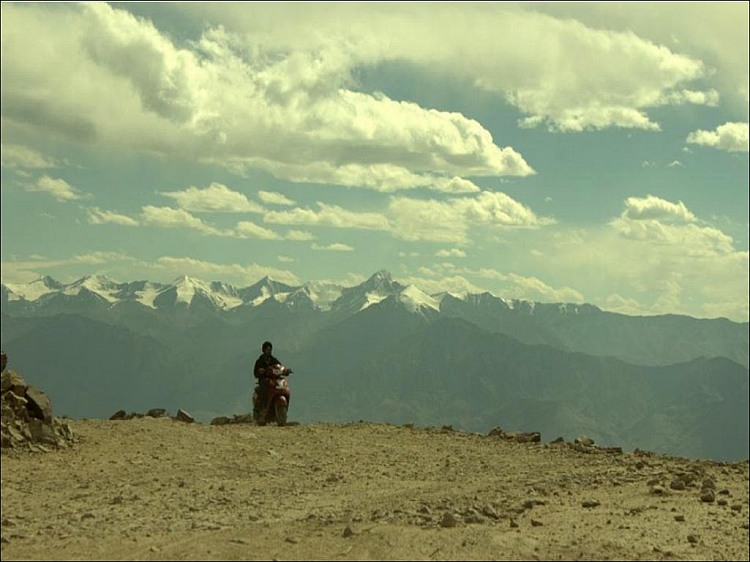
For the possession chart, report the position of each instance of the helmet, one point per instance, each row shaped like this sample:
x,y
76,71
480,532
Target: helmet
x,y
266,344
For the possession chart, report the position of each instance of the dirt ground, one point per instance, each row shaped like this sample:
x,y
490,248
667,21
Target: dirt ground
x,y
159,489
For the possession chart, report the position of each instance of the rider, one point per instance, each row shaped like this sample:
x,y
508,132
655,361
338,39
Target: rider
x,y
261,371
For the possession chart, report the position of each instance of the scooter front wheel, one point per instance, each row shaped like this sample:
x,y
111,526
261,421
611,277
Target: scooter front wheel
x,y
281,411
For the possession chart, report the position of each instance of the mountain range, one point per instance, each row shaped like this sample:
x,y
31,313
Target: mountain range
x,y
384,351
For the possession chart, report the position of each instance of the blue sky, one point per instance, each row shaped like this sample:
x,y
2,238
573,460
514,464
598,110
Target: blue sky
x,y
553,152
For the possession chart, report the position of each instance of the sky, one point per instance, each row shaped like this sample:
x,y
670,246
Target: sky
x,y
552,152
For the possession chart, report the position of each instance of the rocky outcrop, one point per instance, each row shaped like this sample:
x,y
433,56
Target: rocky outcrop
x,y
27,420
181,415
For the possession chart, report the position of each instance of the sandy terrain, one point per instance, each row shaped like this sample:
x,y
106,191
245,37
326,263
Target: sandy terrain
x,y
159,489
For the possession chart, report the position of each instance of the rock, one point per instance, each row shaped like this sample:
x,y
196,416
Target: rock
x,y
448,520
583,440
490,511
679,518
183,416
39,405
14,382
513,523
677,484
693,538
119,415
495,432
3,360
536,523
27,419
590,503
708,496
220,420
657,490
156,413
347,532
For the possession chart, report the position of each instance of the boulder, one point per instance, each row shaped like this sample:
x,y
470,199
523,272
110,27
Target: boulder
x,y
27,420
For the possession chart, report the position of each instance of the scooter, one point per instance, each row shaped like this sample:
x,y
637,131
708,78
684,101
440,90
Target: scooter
x,y
277,406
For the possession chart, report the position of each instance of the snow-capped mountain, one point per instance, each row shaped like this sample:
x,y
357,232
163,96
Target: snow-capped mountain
x,y
31,291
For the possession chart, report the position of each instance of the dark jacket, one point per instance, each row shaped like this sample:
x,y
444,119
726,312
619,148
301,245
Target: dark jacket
x,y
262,362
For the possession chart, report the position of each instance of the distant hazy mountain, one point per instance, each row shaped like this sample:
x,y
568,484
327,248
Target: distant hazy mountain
x,y
385,351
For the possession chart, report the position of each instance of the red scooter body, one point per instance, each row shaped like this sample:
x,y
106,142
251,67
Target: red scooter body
x,y
277,406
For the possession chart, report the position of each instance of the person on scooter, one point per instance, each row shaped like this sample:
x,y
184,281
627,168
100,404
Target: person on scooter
x,y
261,372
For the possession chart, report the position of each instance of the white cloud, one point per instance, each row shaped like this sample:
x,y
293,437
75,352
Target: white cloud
x,y
16,156
385,178
97,216
273,198
166,217
58,188
451,253
507,285
657,257
25,271
722,27
732,137
651,207
450,220
170,267
216,198
575,77
336,247
299,235
228,100
247,229
329,215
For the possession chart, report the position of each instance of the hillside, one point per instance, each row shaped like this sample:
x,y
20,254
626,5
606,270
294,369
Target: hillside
x,y
158,489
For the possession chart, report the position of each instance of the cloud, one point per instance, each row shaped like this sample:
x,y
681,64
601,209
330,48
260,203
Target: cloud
x,y
16,156
166,217
452,253
714,42
216,198
337,247
273,198
732,137
299,235
576,76
329,215
385,178
225,99
170,267
247,229
657,257
507,285
450,220
97,216
58,188
25,271
651,207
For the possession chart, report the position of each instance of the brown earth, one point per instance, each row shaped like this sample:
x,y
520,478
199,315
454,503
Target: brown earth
x,y
159,489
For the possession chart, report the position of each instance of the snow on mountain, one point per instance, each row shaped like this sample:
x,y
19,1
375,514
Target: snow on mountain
x,y
415,299
377,288
98,284
32,291
322,294
187,288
